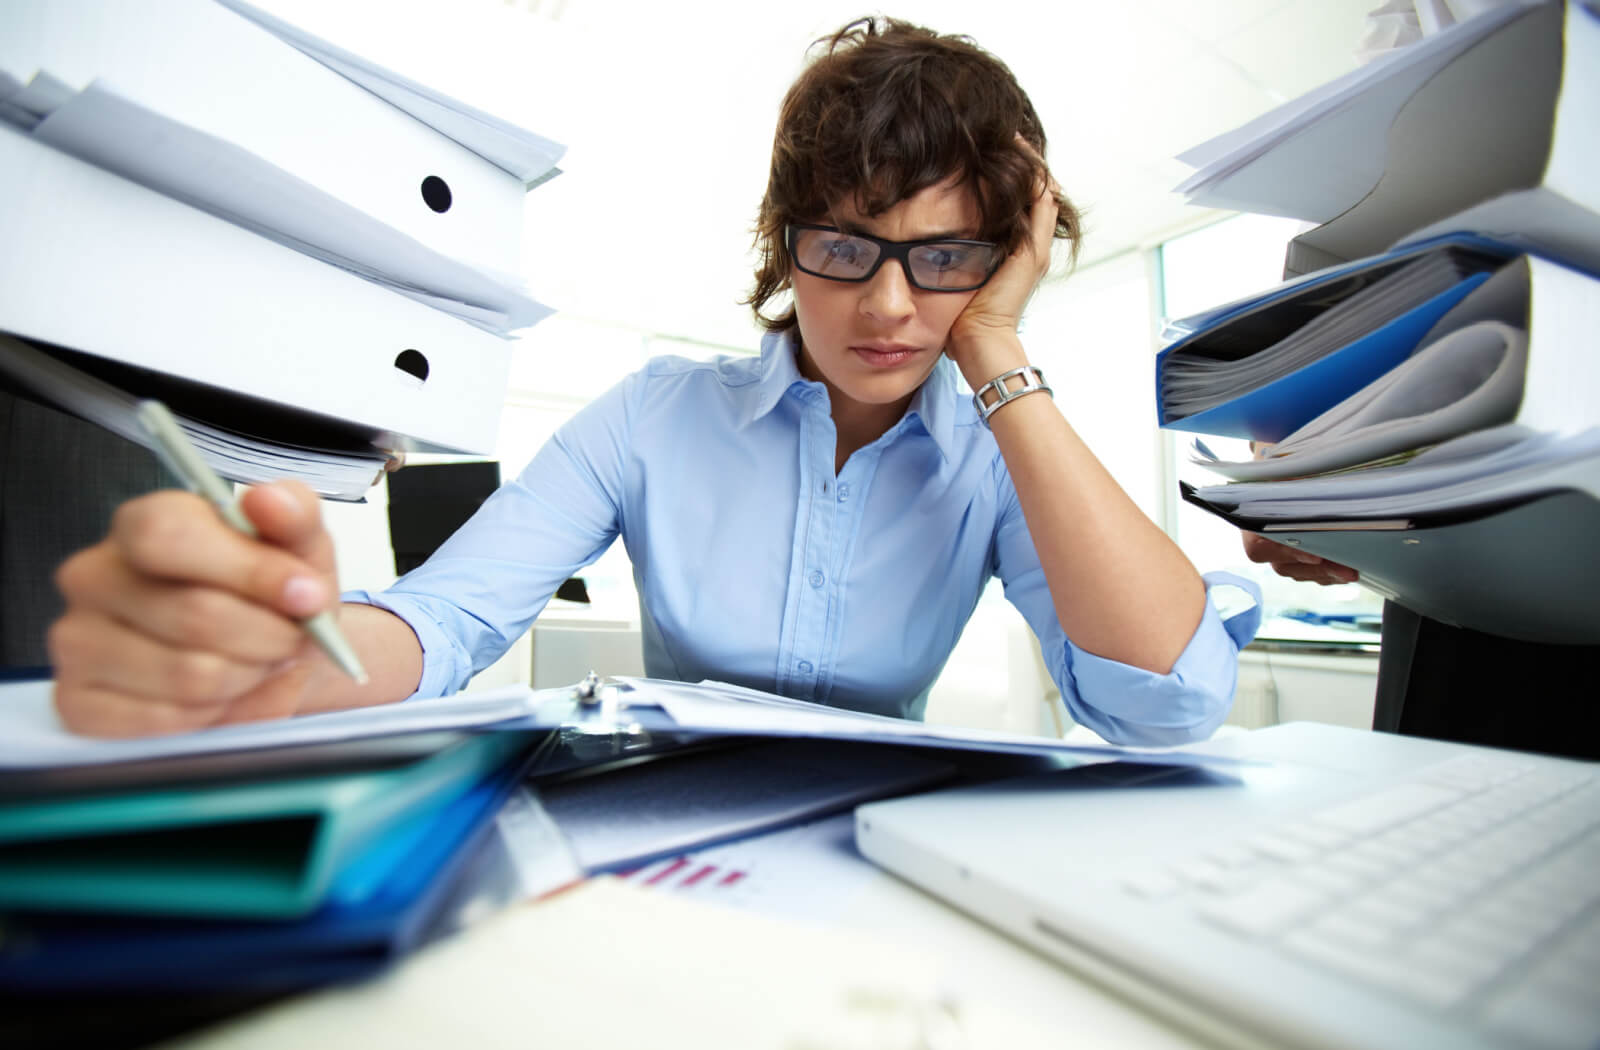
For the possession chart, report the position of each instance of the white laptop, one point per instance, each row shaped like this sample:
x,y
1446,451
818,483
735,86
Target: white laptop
x,y
1356,889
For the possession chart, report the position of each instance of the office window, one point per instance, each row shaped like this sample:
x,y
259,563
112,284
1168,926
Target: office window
x,y
1199,270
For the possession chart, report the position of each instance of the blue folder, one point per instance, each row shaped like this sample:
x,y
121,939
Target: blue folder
x,y
266,847
382,903
1277,409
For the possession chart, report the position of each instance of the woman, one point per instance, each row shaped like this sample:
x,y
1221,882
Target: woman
x,y
817,522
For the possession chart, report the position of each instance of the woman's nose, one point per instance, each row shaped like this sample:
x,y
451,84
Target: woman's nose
x,y
887,296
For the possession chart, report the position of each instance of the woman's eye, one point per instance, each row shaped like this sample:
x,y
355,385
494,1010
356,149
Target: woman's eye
x,y
948,258
843,251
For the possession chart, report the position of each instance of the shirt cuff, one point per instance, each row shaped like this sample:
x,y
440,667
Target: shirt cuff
x,y
439,654
1131,705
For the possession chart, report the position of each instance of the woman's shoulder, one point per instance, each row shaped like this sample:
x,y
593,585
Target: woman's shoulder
x,y
728,369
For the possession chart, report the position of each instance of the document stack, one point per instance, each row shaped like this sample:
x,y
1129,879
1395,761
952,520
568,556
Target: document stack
x,y
284,242
1422,393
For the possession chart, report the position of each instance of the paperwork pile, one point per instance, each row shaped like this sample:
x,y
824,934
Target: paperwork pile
x,y
275,856
279,869
330,473
1419,395
312,253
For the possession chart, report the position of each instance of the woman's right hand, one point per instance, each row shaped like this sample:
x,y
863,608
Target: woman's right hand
x,y
176,621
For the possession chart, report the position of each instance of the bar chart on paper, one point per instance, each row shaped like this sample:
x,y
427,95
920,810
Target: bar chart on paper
x,y
804,871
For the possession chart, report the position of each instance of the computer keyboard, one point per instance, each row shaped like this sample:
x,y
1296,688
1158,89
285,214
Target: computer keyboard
x,y
1472,889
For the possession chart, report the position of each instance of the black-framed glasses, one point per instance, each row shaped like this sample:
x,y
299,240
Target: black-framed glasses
x,y
939,264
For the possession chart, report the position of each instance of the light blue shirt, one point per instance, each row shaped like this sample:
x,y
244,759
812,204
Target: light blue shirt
x,y
756,565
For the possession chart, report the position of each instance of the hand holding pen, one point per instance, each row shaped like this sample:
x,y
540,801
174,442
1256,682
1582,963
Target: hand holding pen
x,y
179,620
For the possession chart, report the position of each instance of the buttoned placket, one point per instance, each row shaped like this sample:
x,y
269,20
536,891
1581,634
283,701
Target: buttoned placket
x,y
827,519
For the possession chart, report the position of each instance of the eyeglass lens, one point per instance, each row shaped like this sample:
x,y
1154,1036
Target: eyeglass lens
x,y
941,266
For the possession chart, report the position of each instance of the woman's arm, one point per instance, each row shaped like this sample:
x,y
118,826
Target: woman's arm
x,y
1121,589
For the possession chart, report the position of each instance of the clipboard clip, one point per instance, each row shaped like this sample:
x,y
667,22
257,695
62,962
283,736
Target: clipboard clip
x,y
599,706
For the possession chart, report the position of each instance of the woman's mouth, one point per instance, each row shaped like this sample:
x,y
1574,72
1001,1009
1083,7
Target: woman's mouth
x,y
885,355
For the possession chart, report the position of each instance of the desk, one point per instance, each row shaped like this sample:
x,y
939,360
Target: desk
x,y
708,976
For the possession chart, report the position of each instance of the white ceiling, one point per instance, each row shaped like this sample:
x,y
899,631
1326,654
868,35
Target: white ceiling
x,y
668,110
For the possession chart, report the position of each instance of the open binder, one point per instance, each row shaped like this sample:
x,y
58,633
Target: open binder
x,y
1253,328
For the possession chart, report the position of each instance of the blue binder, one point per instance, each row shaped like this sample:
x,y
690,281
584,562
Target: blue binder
x,y
380,905
1275,410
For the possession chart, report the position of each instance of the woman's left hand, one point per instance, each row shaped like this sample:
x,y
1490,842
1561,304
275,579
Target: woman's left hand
x,y
983,340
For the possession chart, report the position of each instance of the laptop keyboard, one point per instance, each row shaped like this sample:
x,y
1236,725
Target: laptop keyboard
x,y
1472,890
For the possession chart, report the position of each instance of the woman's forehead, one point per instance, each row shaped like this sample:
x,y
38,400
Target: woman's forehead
x,y
949,207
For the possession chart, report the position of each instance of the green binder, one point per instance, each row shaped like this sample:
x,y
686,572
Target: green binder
x,y
266,848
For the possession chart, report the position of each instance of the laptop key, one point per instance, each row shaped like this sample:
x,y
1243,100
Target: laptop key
x,y
1264,909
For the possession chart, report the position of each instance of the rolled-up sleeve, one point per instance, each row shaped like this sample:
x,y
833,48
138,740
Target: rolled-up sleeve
x,y
483,588
1126,704
1130,705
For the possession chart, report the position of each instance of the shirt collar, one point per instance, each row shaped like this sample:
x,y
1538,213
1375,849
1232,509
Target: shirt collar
x,y
934,406
780,370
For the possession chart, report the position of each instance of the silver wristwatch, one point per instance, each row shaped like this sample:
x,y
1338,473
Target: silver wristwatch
x,y
1032,381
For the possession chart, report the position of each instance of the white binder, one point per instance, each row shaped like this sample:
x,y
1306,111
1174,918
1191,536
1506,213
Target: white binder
x,y
203,65
98,264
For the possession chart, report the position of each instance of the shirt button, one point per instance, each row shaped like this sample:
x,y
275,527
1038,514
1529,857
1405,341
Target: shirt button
x,y
817,577
844,492
804,666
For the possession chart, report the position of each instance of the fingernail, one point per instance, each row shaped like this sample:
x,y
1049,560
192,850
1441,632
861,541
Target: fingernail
x,y
303,595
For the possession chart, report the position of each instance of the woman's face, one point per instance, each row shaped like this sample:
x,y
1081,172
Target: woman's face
x,y
873,343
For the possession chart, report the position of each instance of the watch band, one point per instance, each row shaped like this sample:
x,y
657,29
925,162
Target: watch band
x,y
1032,382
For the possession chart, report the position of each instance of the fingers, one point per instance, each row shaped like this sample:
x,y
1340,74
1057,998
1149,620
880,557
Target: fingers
x,y
178,615
289,516
97,710
1296,564
93,650
176,537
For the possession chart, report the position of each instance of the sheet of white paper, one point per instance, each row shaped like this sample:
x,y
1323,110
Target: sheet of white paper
x,y
720,707
32,736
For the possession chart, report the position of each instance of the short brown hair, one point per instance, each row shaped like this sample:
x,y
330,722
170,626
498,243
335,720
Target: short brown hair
x,y
887,110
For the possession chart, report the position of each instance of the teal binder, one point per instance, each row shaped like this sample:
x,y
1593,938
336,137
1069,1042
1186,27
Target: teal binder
x,y
260,849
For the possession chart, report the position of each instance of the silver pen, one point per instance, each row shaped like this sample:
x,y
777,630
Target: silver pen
x,y
185,461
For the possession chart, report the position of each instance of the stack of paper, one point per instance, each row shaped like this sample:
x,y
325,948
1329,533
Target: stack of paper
x,y
1469,380
102,127
1498,466
335,474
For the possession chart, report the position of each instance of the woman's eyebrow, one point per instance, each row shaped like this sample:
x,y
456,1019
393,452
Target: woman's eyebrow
x,y
856,228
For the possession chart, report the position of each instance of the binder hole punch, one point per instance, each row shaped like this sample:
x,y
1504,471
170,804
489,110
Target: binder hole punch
x,y
436,194
413,364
